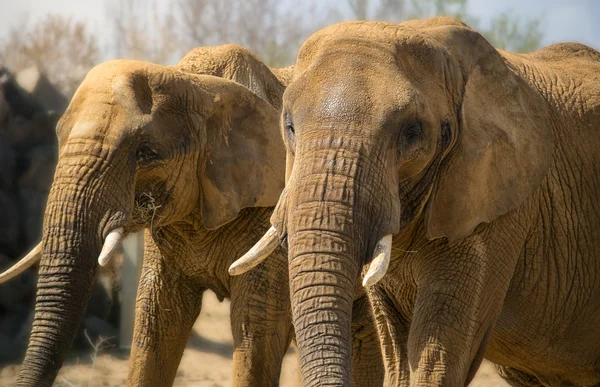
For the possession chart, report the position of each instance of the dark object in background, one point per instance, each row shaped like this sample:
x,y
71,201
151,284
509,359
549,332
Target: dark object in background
x,y
20,103
36,84
30,107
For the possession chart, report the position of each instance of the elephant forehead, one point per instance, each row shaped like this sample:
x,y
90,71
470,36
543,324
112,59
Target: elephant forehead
x,y
346,99
358,97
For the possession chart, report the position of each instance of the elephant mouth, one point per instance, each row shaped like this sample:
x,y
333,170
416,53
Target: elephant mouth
x,y
283,241
146,210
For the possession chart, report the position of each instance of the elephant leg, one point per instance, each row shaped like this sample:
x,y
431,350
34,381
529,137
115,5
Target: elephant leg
x,y
367,362
261,325
393,333
167,306
517,378
459,297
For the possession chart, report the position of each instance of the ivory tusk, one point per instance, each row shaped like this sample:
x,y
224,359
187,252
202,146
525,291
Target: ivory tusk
x,y
380,263
111,244
25,263
258,253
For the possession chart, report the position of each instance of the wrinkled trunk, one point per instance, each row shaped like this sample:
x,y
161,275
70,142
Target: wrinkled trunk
x,y
79,212
328,236
322,287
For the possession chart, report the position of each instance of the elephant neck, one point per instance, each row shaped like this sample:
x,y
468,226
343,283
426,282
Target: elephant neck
x,y
205,255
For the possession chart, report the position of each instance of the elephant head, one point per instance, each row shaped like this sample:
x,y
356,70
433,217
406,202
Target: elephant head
x,y
142,146
387,127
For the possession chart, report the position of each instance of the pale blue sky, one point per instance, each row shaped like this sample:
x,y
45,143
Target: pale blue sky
x,y
565,20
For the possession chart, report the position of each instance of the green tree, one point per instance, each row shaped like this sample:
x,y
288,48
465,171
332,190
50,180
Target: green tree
x,y
453,8
509,32
270,28
388,10
506,31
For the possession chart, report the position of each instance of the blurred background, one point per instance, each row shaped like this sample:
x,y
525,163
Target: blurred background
x,y
66,38
46,49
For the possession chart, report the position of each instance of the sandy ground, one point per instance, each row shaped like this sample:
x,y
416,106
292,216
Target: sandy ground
x,y
206,361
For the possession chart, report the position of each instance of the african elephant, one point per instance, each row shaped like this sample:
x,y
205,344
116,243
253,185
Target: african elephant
x,y
197,161
484,167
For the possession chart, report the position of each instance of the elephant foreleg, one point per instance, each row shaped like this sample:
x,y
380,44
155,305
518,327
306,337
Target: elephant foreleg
x,y
393,333
459,297
166,308
367,362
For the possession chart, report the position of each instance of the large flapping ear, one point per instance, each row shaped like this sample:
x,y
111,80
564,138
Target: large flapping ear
x,y
243,164
238,64
504,142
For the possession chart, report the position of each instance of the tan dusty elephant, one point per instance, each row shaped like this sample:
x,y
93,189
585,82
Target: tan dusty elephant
x,y
483,164
196,160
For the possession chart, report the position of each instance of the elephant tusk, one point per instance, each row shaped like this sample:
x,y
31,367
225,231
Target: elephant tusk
x,y
26,262
379,265
111,243
258,253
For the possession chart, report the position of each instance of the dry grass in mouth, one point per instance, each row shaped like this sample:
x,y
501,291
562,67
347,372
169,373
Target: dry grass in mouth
x,y
145,213
144,209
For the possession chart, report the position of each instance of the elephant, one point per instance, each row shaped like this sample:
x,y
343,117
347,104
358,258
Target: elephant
x,y
192,155
460,183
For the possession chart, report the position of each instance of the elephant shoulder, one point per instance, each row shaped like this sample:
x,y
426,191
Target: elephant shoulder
x,y
567,51
237,63
568,72
575,59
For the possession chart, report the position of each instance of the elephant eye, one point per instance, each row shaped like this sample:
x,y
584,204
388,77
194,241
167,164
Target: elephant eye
x,y
411,134
146,154
289,125
290,132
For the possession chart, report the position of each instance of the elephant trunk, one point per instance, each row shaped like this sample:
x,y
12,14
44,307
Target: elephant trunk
x,y
329,229
322,283
79,213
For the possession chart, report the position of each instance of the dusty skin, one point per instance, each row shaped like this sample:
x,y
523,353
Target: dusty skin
x,y
482,165
206,362
170,150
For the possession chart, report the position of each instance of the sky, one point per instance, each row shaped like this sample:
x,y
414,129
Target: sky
x,y
564,20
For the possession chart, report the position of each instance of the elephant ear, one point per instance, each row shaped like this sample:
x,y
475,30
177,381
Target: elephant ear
x,y
243,163
504,144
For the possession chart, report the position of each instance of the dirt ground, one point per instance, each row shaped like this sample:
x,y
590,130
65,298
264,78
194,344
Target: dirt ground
x,y
206,361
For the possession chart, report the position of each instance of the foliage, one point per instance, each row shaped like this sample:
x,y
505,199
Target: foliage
x,y
143,31
63,48
273,29
267,27
382,10
506,31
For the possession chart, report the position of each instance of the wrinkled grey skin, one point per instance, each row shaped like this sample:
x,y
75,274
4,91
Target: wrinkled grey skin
x,y
484,166
171,151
